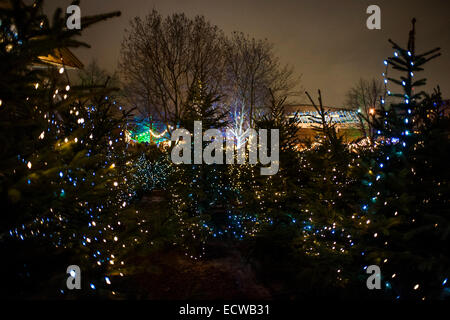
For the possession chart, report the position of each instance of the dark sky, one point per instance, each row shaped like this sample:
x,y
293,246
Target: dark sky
x,y
326,41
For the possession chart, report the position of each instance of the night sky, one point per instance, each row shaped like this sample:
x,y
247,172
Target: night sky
x,y
326,41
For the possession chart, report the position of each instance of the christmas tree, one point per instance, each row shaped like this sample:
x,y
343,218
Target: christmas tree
x,y
64,159
406,212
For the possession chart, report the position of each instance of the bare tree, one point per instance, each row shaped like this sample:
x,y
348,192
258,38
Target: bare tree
x,y
252,70
93,75
162,58
366,97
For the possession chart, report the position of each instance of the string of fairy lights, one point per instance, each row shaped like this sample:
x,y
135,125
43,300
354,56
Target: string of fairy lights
x,y
392,145
76,132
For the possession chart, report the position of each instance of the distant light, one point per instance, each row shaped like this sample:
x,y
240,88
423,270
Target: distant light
x,y
92,286
61,70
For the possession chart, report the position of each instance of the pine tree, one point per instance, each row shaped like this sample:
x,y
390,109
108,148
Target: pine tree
x,y
406,212
64,159
199,191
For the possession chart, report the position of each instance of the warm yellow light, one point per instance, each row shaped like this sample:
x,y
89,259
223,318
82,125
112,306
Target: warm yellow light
x,y
372,111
